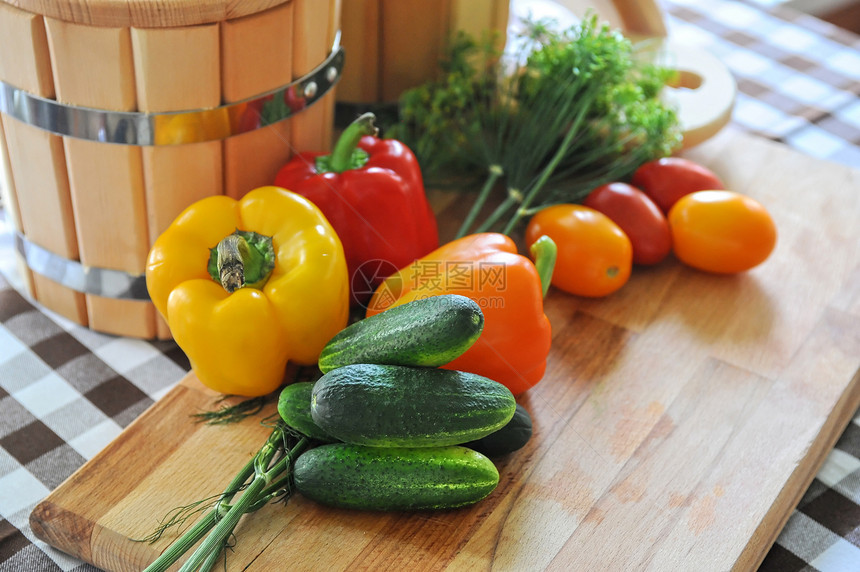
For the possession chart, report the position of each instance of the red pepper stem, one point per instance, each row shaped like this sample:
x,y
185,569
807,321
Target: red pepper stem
x,y
346,155
544,252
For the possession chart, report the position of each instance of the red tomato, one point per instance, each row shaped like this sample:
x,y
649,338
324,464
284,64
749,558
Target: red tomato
x,y
639,218
668,179
594,255
721,231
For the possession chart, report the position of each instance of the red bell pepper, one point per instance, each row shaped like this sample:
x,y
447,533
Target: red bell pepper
x,y
372,192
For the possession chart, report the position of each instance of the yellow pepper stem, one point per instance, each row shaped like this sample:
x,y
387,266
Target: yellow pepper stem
x,y
243,259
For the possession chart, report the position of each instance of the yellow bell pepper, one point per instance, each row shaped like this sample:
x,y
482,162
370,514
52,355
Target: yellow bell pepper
x,y
281,299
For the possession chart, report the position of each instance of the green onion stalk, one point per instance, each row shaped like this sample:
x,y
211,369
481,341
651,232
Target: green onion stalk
x,y
263,479
578,110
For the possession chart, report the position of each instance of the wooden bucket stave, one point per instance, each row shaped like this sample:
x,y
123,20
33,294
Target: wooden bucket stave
x,y
103,204
394,45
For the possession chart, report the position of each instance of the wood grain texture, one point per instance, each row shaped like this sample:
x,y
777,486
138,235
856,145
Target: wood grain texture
x,y
641,17
475,17
192,80
311,128
678,424
9,200
38,168
360,81
105,82
410,52
148,14
106,181
256,56
175,176
37,164
29,66
7,185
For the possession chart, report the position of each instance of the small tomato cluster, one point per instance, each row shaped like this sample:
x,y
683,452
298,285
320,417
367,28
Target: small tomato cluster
x,y
670,205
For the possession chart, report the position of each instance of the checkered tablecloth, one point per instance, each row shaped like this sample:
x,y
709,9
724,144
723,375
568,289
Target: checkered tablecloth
x,y
66,392
798,77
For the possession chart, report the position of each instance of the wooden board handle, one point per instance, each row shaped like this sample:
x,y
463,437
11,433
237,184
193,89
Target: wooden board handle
x,y
704,94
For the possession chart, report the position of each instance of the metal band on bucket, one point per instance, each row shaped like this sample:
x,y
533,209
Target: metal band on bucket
x,y
75,276
152,129
174,127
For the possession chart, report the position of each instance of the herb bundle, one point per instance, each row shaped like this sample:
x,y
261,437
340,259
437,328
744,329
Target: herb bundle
x,y
264,479
575,110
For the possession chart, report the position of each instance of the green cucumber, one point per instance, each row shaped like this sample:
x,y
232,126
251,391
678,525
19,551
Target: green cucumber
x,y
371,478
427,332
508,439
294,407
401,406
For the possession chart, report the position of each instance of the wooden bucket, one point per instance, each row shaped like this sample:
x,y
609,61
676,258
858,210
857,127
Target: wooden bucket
x,y
117,114
394,45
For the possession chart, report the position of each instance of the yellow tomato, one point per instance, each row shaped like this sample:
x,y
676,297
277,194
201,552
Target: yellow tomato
x,y
594,255
721,231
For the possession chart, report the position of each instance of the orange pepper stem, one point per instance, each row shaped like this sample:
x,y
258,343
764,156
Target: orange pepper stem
x,y
346,155
243,259
544,252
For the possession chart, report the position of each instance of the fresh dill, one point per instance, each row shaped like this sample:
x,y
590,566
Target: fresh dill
x,y
227,413
264,479
565,112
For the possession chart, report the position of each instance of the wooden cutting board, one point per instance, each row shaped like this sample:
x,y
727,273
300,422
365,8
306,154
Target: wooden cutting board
x,y
679,422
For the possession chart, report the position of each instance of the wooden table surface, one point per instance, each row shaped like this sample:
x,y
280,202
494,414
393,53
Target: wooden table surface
x,y
679,421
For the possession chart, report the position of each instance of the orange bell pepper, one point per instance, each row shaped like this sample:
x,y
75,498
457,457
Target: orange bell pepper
x,y
508,288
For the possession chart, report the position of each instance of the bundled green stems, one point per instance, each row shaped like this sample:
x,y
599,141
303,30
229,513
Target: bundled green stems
x,y
565,112
263,479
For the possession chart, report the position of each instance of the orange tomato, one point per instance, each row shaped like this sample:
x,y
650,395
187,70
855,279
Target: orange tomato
x,y
721,231
594,255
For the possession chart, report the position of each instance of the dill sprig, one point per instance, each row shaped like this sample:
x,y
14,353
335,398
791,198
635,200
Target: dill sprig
x,y
566,112
265,478
228,413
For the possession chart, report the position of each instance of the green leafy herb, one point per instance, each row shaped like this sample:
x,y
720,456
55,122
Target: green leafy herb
x,y
229,414
577,110
265,478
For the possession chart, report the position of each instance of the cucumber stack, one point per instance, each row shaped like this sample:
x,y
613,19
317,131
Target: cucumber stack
x,y
393,424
